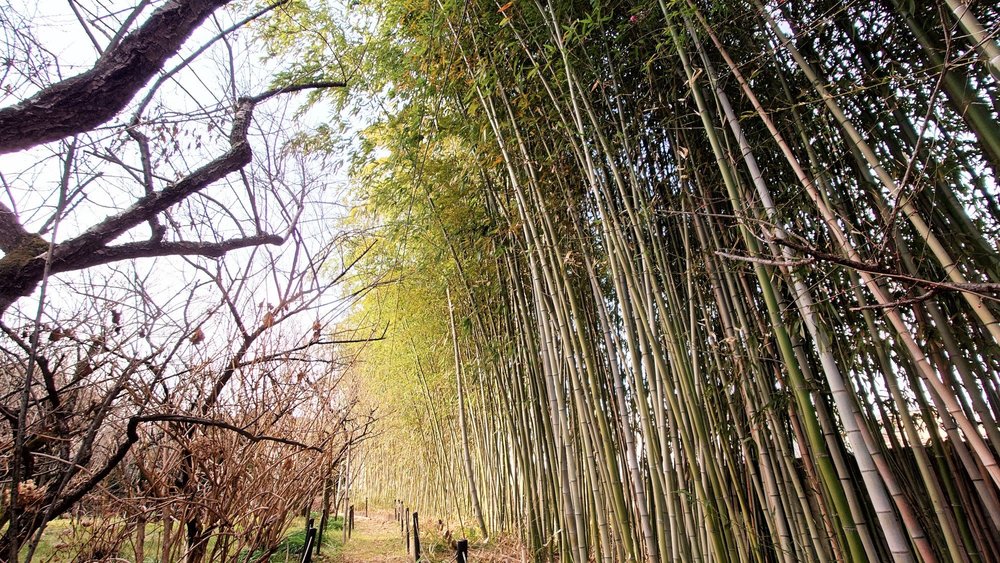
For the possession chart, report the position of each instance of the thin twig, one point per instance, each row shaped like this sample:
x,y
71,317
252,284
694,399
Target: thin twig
x,y
767,262
221,424
909,301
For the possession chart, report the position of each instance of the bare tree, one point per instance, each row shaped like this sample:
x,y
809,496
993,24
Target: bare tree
x,y
132,184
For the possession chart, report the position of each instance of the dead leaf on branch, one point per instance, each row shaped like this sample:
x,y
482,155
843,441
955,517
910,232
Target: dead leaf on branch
x,y
197,336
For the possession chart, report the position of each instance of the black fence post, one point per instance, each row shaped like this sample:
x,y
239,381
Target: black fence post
x,y
319,532
310,529
416,538
462,551
406,520
310,540
350,528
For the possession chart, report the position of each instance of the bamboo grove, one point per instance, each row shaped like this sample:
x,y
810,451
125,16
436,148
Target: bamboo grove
x,y
687,280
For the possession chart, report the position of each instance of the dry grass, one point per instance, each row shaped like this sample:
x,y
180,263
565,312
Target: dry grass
x,y
500,550
374,540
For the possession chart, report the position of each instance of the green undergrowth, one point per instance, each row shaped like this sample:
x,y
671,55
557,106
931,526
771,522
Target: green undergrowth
x,y
290,549
57,544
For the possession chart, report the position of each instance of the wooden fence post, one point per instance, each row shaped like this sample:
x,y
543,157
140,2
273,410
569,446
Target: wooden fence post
x,y
416,538
406,522
462,551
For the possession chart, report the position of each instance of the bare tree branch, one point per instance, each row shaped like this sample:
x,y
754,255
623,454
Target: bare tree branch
x,y
22,272
80,103
296,88
765,261
201,421
187,60
988,290
64,502
153,248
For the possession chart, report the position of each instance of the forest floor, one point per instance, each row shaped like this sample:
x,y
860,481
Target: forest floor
x,y
375,539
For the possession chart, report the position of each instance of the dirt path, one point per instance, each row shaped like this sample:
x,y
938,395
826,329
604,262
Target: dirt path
x,y
375,539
